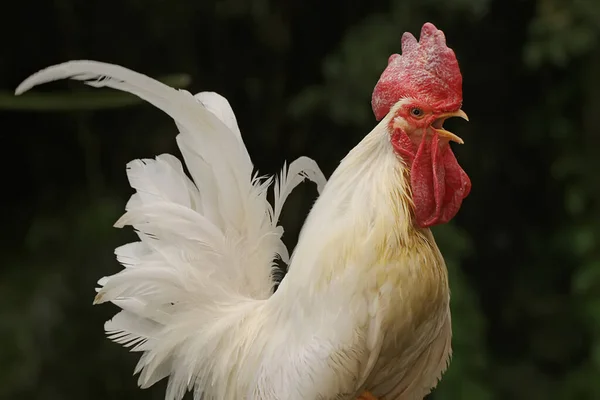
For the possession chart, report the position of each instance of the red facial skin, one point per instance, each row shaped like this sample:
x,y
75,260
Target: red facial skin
x,y
438,183
427,77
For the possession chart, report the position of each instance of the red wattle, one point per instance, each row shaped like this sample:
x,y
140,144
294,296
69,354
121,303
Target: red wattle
x,y
438,183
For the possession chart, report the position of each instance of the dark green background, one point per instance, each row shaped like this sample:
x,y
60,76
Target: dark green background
x,y
523,252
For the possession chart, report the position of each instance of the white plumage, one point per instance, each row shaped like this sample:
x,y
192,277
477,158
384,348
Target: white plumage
x,y
196,291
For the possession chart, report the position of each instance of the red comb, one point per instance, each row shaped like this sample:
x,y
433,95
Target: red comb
x,y
427,70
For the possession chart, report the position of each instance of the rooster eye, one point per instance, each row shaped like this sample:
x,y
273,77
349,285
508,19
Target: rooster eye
x,y
417,112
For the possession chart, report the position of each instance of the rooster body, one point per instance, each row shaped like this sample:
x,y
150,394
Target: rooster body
x,y
365,303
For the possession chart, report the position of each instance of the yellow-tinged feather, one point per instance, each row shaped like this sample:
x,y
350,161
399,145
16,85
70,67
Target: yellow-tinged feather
x,y
399,270
397,251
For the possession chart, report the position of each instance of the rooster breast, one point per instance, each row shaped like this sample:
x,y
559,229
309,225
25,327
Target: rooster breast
x,y
415,330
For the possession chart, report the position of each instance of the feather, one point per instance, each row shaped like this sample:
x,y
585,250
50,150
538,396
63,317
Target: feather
x,y
212,147
219,106
131,331
299,169
217,145
163,179
133,254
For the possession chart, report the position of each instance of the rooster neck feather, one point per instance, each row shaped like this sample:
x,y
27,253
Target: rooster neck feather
x,y
360,233
363,276
365,207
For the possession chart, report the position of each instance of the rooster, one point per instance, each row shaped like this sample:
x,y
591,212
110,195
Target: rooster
x,y
364,309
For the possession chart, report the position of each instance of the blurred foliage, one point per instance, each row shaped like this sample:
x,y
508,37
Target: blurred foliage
x,y
523,253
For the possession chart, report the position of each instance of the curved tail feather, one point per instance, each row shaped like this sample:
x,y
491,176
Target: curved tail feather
x,y
207,245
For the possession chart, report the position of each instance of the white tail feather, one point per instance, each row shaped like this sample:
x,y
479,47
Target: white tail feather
x,y
218,105
131,330
299,169
207,247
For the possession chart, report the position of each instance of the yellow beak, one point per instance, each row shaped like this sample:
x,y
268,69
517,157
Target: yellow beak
x,y
439,122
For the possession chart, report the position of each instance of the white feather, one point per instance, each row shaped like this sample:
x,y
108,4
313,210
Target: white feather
x,y
196,290
219,106
132,331
163,179
291,177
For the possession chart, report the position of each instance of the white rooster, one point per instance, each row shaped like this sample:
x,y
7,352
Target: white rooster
x,y
364,308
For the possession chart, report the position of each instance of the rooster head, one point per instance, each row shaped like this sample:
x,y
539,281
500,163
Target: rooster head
x,y
422,88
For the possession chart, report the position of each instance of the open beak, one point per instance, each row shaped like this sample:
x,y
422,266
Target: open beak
x,y
439,122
